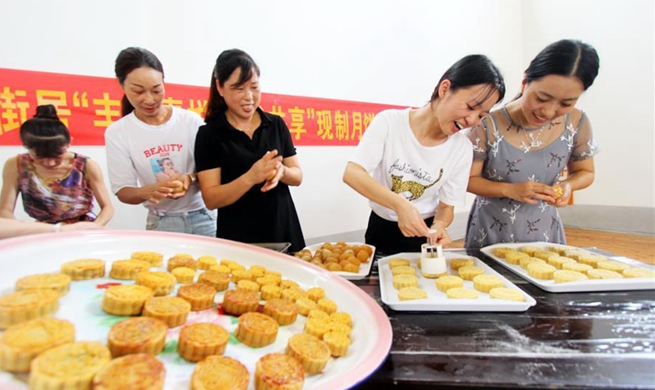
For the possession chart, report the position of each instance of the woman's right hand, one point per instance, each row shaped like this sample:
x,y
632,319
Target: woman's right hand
x,y
265,168
410,221
157,191
531,192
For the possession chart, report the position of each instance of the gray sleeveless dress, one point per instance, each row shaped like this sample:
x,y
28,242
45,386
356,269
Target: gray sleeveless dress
x,y
495,220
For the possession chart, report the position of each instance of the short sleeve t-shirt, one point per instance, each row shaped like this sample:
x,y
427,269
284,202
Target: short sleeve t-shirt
x,y
425,175
139,154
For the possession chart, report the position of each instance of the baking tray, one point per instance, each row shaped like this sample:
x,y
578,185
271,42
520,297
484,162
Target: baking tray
x,y
437,300
578,286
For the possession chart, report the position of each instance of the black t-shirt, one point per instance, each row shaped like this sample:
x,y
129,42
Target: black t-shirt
x,y
257,216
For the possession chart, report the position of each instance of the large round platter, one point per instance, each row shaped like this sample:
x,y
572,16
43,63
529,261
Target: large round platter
x,y
371,336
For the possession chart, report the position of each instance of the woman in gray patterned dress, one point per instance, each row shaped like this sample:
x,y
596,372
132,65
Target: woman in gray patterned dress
x,y
521,149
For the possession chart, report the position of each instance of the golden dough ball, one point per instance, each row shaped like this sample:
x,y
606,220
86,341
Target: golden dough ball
x,y
354,260
331,260
334,267
362,255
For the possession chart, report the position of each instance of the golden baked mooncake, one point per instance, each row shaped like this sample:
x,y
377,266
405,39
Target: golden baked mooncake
x,y
237,302
58,282
136,335
138,371
21,343
311,352
22,306
283,311
184,275
83,269
154,258
172,310
199,295
162,283
256,330
128,269
70,366
219,280
126,300
197,341
276,371
220,372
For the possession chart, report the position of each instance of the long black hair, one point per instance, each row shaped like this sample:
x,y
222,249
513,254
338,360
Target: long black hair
x,y
474,69
130,59
566,57
226,63
45,133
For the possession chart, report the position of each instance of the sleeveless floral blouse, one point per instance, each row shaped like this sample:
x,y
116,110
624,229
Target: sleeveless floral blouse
x,y
66,200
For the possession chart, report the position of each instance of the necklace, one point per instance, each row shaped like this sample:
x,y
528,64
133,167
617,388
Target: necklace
x,y
235,124
532,135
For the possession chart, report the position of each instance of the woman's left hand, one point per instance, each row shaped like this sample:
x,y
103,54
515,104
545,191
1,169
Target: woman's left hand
x,y
180,191
440,235
273,181
563,200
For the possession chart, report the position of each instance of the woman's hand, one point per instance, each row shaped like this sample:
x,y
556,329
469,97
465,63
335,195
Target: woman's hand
x,y
265,169
180,185
410,221
563,199
439,233
531,192
161,190
275,178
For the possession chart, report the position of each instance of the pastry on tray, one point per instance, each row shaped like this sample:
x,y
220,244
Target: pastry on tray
x,y
83,269
220,372
172,310
154,258
128,269
70,366
25,305
21,343
310,351
197,341
59,282
237,302
199,295
162,283
138,371
276,371
136,335
283,311
126,300
256,330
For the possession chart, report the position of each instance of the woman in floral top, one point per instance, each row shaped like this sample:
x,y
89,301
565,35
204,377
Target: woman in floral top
x,y
521,149
57,186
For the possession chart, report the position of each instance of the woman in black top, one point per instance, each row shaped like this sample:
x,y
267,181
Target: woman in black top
x,y
246,160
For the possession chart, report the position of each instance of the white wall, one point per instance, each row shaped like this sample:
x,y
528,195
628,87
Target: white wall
x,y
620,104
384,51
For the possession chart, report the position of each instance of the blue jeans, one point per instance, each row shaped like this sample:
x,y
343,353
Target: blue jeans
x,y
201,222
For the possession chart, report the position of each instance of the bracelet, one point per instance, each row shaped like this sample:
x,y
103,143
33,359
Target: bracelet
x,y
57,227
192,177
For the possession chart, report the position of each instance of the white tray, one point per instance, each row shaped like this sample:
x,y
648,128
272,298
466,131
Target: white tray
x,y
371,335
364,269
578,286
437,300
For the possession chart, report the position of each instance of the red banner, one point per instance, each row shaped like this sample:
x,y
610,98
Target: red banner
x,y
87,105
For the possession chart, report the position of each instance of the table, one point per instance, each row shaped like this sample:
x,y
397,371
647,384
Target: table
x,y
590,340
